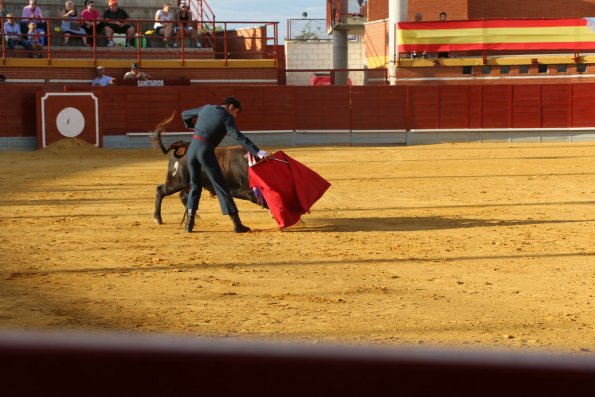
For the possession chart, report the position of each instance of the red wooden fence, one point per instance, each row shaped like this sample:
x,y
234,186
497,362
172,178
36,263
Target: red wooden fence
x,y
137,109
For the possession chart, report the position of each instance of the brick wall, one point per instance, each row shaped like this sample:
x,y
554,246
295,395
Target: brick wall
x,y
377,9
477,9
531,9
431,9
376,43
248,43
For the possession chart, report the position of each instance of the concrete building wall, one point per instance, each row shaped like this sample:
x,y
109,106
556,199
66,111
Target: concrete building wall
x,y
319,55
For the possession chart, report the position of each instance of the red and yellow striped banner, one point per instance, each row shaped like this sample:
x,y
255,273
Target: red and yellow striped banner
x,y
497,34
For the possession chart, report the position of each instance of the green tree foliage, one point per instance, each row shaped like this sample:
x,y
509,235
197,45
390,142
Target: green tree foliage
x,y
309,34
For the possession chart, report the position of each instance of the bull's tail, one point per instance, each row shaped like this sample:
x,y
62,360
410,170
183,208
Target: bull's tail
x,y
178,147
156,133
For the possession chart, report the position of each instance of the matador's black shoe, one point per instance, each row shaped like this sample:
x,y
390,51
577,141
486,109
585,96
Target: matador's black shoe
x,y
237,224
190,214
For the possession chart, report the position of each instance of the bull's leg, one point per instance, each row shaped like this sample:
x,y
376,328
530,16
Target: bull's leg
x,y
161,192
184,197
246,194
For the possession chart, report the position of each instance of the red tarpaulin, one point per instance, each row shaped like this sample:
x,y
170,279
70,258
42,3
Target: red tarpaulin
x,y
289,187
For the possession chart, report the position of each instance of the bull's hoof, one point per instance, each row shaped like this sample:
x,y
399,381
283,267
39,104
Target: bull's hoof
x,y
158,221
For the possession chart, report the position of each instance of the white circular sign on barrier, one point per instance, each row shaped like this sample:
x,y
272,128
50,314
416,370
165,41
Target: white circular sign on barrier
x,y
70,122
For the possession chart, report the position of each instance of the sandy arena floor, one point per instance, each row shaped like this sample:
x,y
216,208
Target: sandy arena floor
x,y
466,245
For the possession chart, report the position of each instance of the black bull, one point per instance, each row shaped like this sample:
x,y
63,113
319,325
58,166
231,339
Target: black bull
x,y
233,162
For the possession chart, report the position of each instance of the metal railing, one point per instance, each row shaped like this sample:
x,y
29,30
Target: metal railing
x,y
245,40
203,12
338,11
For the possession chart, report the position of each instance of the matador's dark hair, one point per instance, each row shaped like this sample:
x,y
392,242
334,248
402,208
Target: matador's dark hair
x,y
232,100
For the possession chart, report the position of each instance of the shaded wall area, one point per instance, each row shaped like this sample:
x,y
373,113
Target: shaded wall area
x,y
126,109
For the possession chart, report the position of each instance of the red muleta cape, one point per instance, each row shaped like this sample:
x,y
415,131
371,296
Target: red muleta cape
x,y
289,187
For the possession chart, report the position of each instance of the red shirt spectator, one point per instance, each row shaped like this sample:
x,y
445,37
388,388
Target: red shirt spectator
x,y
89,15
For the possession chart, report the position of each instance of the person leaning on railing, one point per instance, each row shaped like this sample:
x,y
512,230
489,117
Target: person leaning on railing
x,y
101,79
136,74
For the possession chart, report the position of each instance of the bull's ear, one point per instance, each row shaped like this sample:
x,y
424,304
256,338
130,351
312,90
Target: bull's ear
x,y
180,152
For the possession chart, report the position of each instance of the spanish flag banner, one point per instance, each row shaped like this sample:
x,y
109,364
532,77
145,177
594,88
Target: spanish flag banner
x,y
497,35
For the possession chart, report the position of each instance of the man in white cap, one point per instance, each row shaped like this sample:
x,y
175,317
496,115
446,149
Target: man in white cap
x,y
135,73
101,79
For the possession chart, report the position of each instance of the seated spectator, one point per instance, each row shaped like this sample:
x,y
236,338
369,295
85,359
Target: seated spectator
x,y
101,79
164,24
3,10
135,73
115,22
32,13
3,13
12,32
34,38
442,18
90,16
186,25
72,26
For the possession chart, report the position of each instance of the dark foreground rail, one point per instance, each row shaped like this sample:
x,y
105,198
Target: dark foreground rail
x,y
54,364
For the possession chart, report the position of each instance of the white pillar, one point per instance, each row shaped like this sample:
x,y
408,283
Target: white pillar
x,y
397,12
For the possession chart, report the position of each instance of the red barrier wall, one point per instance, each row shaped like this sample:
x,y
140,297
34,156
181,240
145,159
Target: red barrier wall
x,y
556,107
17,111
139,109
378,108
322,108
582,111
